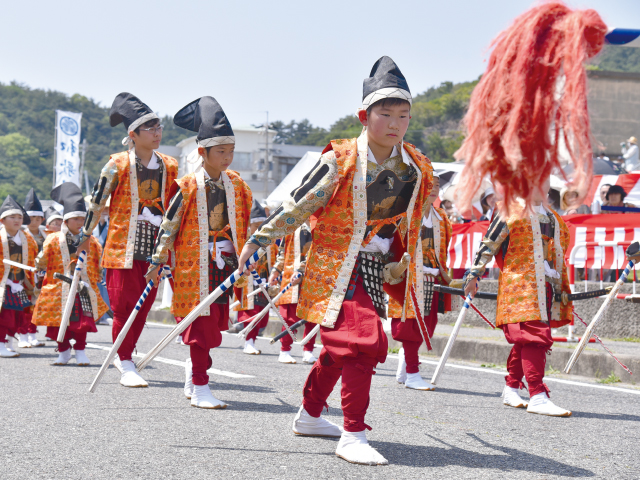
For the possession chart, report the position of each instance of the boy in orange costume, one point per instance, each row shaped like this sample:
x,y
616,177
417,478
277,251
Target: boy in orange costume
x,y
530,254
435,236
292,259
59,255
16,284
28,330
254,304
138,182
367,194
206,221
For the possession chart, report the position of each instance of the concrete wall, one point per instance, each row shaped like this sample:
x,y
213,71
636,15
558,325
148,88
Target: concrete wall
x,y
614,108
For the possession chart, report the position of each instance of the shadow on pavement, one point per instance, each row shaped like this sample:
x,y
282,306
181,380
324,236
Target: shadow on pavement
x,y
510,459
607,416
214,386
468,392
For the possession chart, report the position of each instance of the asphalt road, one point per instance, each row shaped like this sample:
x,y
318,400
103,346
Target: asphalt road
x,y
54,428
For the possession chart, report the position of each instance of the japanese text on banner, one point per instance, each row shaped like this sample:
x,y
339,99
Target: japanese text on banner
x,y
67,147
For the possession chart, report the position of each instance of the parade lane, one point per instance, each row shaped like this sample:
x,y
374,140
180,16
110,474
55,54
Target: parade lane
x,y
56,429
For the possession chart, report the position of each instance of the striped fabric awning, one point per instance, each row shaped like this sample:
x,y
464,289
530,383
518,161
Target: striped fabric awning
x,y
621,228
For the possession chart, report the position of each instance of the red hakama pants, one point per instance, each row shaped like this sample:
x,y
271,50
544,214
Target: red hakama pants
x,y
352,350
10,320
288,312
26,325
76,330
125,288
245,315
203,335
408,332
531,341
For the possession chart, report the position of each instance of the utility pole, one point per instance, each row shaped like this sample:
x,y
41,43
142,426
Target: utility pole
x,y
266,160
83,151
87,187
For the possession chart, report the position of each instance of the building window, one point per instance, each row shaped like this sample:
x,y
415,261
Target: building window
x,y
242,161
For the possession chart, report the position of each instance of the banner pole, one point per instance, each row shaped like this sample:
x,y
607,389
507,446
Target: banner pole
x,y
55,151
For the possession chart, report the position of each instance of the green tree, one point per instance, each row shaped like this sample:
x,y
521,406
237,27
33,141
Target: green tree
x,y
617,59
441,149
19,163
296,133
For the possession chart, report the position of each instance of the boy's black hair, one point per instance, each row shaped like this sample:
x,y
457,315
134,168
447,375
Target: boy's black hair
x,y
388,102
149,124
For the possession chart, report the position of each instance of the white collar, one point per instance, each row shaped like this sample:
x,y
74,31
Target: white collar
x,y
372,158
16,238
153,163
427,220
540,209
435,212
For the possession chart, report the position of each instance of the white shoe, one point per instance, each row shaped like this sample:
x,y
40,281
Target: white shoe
x,y
250,349
416,382
511,397
401,374
307,357
308,426
130,376
11,345
178,339
202,398
188,382
34,341
23,341
541,405
6,353
353,447
117,363
285,357
81,358
63,357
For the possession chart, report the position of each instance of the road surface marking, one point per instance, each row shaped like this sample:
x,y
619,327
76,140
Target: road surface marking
x,y
178,363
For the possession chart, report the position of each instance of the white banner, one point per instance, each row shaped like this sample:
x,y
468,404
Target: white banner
x,y
67,147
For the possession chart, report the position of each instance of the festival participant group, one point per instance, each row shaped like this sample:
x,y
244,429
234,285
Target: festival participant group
x,y
359,241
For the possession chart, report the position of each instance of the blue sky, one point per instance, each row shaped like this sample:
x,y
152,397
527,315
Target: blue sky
x,y
296,59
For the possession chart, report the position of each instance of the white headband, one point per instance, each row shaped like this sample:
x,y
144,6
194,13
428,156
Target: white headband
x,y
52,218
210,142
35,213
69,215
15,211
143,119
389,92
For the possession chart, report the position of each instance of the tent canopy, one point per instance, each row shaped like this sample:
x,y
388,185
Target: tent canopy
x,y
293,179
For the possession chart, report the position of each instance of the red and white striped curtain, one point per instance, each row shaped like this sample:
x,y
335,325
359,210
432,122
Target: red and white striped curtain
x,y
621,228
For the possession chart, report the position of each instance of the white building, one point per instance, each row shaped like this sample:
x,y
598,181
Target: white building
x,y
248,159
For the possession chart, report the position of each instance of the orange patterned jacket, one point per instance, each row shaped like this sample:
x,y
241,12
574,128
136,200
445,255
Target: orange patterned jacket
x,y
191,245
29,253
340,229
54,294
519,297
292,263
121,237
264,266
441,245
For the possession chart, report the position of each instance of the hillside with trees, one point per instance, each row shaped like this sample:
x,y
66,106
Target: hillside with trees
x,y
27,135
